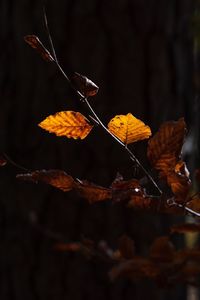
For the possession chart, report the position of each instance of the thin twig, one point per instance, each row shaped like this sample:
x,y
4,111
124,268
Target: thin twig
x,y
186,208
14,163
97,119
189,210
55,56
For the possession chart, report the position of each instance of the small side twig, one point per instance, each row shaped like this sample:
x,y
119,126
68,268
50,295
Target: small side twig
x,y
12,162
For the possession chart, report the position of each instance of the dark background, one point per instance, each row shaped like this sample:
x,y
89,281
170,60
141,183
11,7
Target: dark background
x,y
143,54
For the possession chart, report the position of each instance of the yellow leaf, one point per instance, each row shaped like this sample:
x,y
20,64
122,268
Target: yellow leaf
x,y
128,128
67,123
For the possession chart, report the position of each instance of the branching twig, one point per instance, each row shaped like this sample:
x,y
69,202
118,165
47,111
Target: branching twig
x,y
97,119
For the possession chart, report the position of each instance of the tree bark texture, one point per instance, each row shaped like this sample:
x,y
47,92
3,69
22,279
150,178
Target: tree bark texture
x,y
140,53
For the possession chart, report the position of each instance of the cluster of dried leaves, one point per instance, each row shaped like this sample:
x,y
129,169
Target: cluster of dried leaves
x,y
164,263
164,154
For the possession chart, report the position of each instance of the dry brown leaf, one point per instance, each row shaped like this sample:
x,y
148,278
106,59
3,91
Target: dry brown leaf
x,y
124,189
135,269
197,176
36,44
67,123
185,228
69,247
162,250
179,186
194,203
56,178
126,247
164,148
84,85
92,192
179,181
141,202
128,128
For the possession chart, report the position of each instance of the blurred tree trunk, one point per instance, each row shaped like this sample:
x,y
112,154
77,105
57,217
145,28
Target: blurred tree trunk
x,y
140,53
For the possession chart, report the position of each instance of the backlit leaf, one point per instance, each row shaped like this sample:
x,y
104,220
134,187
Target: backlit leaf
x,y
128,128
164,148
56,178
36,44
67,123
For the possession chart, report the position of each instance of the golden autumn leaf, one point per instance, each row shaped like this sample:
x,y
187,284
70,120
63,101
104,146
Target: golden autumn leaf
x,y
67,123
56,178
128,128
164,148
36,44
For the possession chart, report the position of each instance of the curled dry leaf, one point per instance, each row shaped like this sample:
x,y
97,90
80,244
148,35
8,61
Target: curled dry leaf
x,y
84,85
67,123
164,148
56,178
128,128
92,192
36,44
